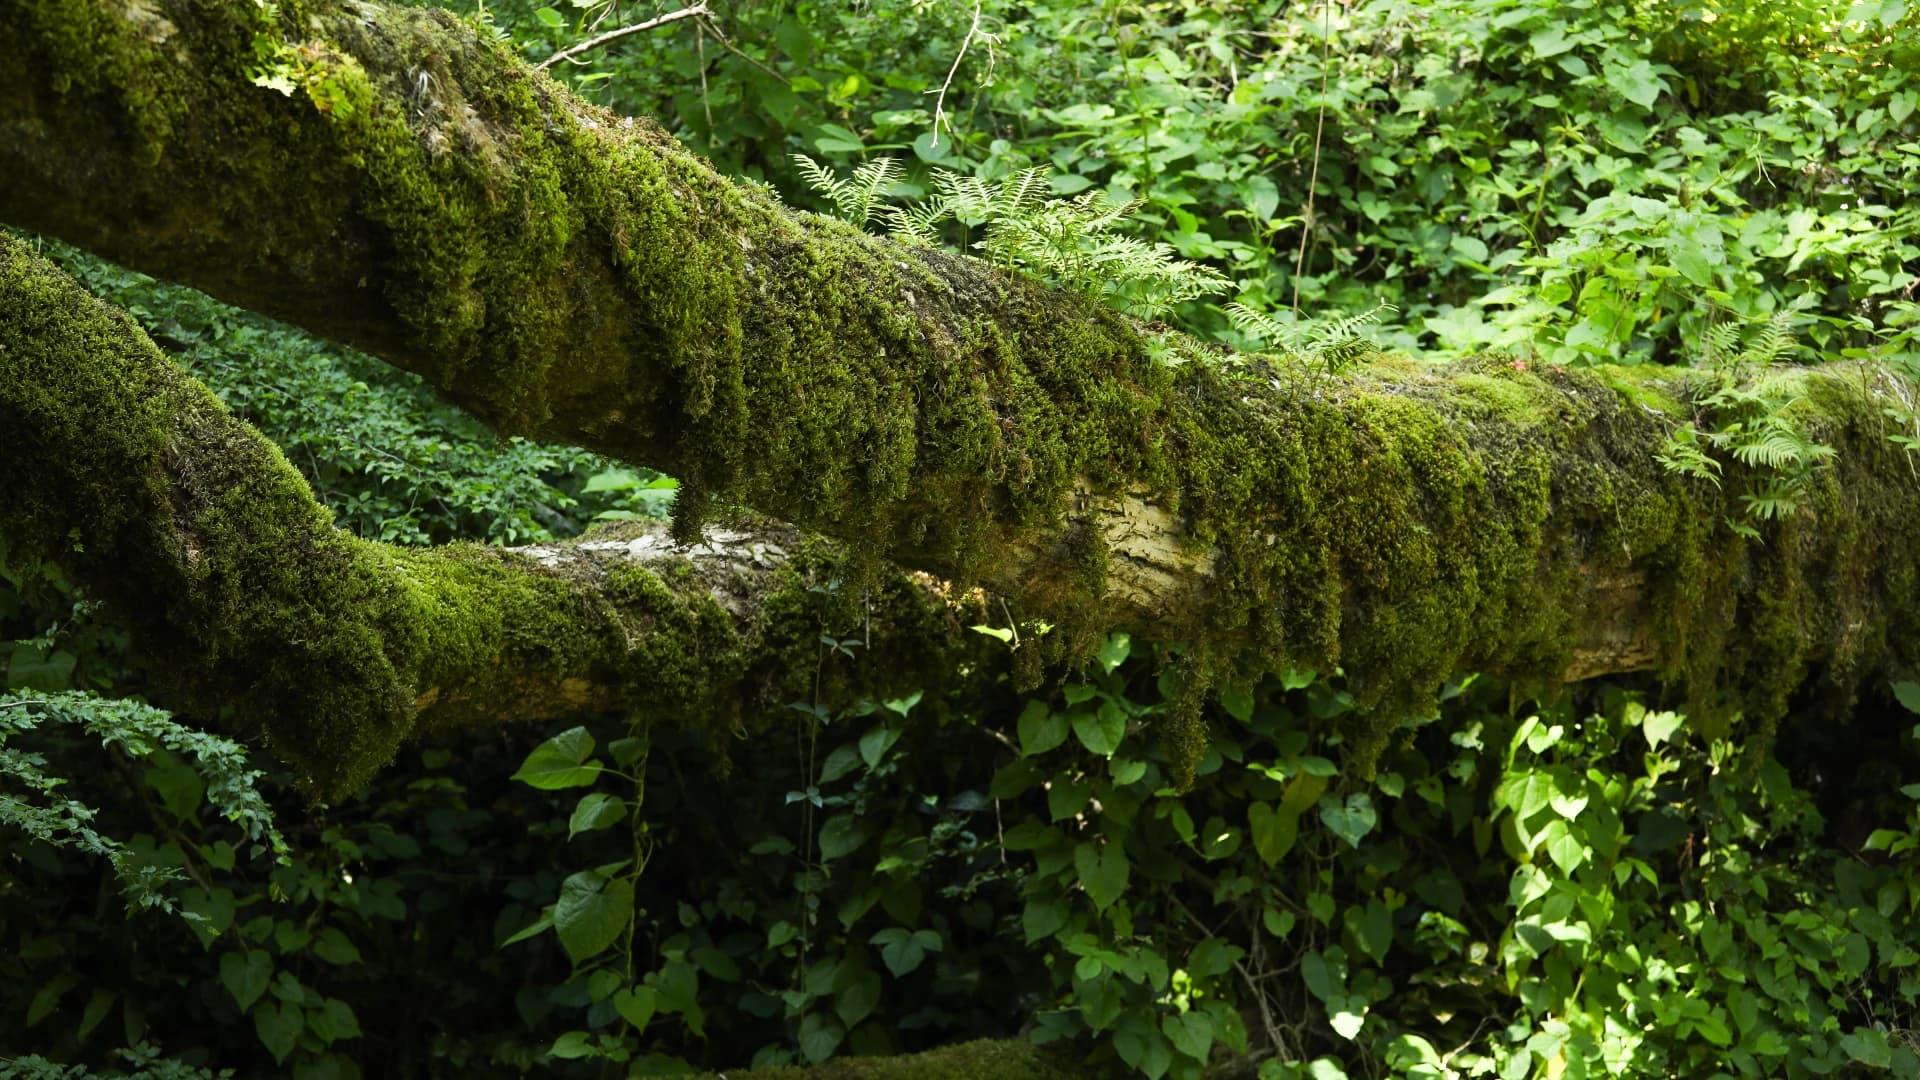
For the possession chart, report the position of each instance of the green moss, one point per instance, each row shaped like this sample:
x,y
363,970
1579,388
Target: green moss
x,y
564,272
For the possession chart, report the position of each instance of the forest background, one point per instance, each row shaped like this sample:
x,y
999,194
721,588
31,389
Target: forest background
x,y
1550,882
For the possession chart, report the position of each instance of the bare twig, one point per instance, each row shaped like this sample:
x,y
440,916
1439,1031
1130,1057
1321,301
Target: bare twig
x,y
708,24
612,35
940,102
1319,127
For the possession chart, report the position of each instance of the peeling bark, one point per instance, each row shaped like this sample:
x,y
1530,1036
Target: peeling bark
x,y
578,276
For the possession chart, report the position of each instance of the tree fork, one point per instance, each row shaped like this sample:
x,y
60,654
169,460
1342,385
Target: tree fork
x,y
578,276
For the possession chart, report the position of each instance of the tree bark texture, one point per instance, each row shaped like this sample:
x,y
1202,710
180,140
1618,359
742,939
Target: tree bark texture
x,y
573,275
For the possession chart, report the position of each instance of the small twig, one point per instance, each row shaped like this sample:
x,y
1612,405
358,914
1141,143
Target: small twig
x,y
749,58
940,102
612,35
1319,127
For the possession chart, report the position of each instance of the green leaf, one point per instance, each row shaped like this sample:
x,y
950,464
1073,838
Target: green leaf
x,y
551,19
842,835
1103,872
1658,727
246,975
1273,832
820,1036
571,1045
591,912
1238,702
1114,651
1351,820
1868,1046
875,743
1550,42
1908,694
902,950
1191,1033
538,926
333,1021
278,1023
1690,259
560,762
595,810
1101,730
1004,635
635,1006
859,998
1041,729
1042,919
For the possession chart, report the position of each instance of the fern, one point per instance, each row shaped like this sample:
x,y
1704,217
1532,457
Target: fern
x,y
1075,244
1328,346
855,197
140,731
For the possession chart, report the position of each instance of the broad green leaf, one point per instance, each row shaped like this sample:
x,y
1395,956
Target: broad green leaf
x,y
1658,727
1191,1033
1041,729
279,1024
1273,832
876,742
560,762
595,810
246,975
591,912
1114,651
1351,820
842,835
333,1021
1101,730
820,1036
859,998
1908,694
635,1005
1042,918
1103,872
571,1046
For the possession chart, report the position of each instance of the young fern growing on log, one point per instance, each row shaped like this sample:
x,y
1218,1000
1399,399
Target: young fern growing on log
x,y
1072,243
1752,423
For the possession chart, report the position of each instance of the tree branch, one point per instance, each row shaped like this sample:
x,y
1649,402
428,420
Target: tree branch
x,y
614,35
570,274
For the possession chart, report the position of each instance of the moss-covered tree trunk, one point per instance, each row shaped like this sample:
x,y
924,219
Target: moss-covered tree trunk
x,y
385,177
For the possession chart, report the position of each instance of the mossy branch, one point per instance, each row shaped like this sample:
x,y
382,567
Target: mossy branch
x,y
253,609
578,276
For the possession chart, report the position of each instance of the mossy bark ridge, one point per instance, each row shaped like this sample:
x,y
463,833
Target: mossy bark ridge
x,y
574,275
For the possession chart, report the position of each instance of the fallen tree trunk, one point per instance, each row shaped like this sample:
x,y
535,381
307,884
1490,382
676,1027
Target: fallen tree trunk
x,y
577,276
250,605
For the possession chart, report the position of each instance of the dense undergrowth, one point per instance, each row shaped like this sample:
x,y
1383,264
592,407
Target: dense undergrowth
x,y
1582,886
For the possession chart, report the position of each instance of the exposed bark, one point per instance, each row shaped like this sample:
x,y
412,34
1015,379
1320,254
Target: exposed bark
x,y
577,276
